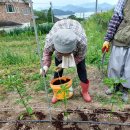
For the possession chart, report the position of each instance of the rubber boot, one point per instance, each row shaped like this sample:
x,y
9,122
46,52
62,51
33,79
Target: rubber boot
x,y
125,95
84,91
54,100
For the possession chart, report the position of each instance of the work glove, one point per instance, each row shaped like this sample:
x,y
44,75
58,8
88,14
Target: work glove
x,y
58,68
106,46
44,70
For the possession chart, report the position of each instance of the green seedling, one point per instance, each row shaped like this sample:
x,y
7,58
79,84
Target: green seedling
x,y
115,97
15,83
64,89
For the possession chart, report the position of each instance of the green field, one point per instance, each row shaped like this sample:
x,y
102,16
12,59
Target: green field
x,y
19,53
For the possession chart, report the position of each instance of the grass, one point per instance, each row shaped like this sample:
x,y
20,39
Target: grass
x,y
16,52
95,28
11,58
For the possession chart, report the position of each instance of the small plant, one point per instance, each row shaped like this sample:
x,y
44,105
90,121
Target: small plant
x,y
40,86
111,83
15,83
65,91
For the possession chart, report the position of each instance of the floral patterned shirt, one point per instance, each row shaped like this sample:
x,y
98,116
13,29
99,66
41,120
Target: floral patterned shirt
x,y
79,52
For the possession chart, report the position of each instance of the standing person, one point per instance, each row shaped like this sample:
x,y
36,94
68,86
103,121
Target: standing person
x,y
118,34
68,40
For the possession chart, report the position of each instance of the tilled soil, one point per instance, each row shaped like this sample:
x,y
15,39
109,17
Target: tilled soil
x,y
78,110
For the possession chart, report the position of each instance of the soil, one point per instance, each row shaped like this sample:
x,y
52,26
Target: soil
x,y
78,110
97,115
59,82
34,116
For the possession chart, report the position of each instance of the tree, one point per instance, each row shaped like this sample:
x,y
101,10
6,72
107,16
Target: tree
x,y
41,16
49,15
75,18
72,17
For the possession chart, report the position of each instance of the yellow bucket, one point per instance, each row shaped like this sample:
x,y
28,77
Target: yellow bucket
x,y
56,87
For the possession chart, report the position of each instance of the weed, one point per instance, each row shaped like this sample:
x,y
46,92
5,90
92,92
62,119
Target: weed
x,y
11,58
35,76
40,85
14,82
95,28
111,83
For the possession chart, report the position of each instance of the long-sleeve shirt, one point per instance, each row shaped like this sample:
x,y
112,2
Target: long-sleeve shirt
x,y
115,21
79,52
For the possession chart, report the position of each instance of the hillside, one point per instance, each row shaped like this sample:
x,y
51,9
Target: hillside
x,y
89,7
61,12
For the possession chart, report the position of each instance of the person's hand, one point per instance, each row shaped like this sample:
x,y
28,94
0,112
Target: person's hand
x,y
43,70
106,46
58,68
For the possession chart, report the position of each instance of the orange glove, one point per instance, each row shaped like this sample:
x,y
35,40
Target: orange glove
x,y
106,46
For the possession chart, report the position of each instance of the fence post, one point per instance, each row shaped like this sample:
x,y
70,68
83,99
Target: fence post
x,y
39,53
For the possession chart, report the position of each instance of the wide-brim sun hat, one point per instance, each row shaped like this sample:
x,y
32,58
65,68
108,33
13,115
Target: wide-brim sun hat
x,y
64,40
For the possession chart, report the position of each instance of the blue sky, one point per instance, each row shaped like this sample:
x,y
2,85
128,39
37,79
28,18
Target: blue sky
x,y
45,3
